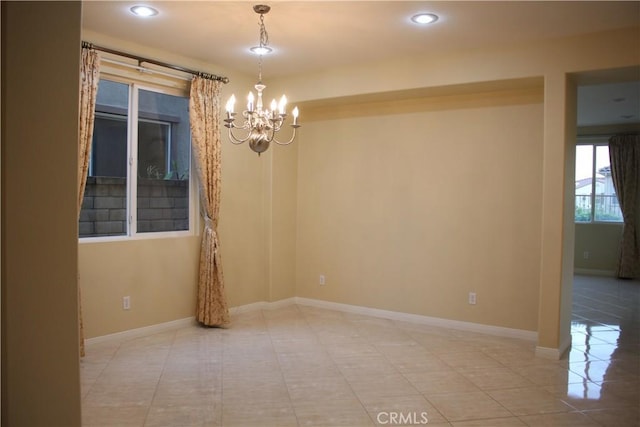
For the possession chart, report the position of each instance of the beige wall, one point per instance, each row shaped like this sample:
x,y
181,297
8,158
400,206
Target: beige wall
x,y
602,241
282,216
568,236
40,75
554,61
599,51
446,95
411,212
160,275
40,378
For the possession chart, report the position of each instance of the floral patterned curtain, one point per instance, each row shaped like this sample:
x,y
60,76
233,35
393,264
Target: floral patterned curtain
x,y
624,154
204,107
89,75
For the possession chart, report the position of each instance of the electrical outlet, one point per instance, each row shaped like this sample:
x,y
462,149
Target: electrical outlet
x,y
321,280
472,297
126,303
585,255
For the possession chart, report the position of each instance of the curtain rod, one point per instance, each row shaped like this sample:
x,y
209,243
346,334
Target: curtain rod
x,y
154,62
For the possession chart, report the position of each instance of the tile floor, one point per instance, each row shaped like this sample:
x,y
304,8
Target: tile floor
x,y
304,366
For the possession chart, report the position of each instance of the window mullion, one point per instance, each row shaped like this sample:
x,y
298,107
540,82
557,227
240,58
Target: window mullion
x,y
132,170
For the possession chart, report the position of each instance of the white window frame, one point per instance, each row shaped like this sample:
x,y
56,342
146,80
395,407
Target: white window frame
x,y
593,142
132,171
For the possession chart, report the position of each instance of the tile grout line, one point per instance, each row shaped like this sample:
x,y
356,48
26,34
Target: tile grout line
x,y
343,317
155,391
281,368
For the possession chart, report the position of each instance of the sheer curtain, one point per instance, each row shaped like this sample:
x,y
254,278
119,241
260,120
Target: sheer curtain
x,y
204,107
624,154
89,75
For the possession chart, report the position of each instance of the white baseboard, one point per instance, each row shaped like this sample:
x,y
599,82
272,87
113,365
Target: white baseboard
x,y
247,307
592,272
262,305
144,331
554,353
180,323
347,308
421,320
280,303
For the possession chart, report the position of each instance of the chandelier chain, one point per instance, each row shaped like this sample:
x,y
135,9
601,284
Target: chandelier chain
x,y
264,42
264,36
260,125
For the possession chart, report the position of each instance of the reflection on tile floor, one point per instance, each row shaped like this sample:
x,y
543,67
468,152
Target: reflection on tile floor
x,y
303,366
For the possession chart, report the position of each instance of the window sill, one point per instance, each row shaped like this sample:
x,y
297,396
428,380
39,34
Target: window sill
x,y
138,237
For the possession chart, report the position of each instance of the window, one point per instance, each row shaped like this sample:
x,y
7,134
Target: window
x,y
595,195
139,172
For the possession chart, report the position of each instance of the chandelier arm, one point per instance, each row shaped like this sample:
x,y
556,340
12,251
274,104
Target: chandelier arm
x,y
271,135
290,140
237,141
245,126
276,123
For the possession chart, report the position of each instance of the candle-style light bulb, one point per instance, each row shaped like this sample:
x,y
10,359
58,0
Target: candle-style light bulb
x,y
230,103
250,98
295,113
282,106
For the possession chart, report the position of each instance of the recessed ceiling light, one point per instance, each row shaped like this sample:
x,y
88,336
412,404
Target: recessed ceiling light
x,y
261,50
424,18
143,11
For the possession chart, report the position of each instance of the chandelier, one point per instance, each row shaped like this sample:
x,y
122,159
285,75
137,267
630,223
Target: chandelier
x,y
260,125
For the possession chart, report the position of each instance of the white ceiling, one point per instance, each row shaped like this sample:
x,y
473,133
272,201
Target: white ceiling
x,y
311,35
